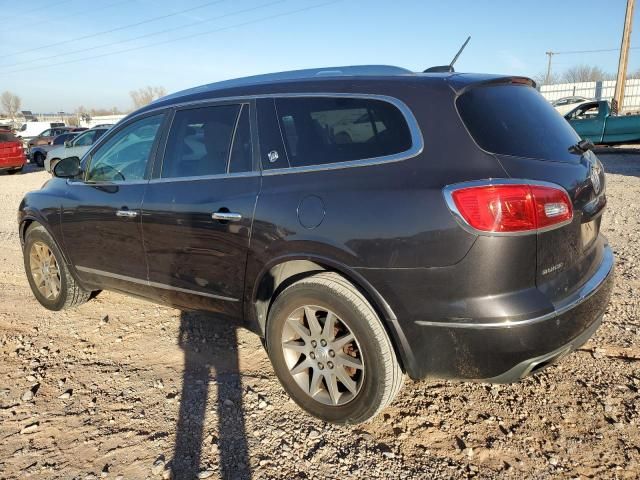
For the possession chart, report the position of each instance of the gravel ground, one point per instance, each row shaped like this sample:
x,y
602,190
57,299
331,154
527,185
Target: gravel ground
x,y
121,388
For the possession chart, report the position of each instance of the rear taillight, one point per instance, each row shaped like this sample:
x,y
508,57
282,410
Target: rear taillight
x,y
511,207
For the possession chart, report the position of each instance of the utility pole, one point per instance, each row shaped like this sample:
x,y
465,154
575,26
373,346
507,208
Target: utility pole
x,y
547,78
618,96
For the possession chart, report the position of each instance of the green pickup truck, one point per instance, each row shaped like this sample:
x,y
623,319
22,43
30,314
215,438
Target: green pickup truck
x,y
594,121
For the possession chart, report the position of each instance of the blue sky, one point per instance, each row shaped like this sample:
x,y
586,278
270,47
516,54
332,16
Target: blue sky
x,y
259,36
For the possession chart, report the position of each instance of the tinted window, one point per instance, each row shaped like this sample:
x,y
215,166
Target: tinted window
x,y
327,130
86,139
516,120
46,133
124,156
241,151
199,141
60,139
7,137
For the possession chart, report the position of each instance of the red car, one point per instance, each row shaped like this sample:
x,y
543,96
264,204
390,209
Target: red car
x,y
12,158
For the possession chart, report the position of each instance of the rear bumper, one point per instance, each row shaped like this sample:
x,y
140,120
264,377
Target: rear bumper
x,y
508,350
9,163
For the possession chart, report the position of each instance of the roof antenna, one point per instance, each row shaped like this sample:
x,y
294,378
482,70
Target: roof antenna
x,y
448,68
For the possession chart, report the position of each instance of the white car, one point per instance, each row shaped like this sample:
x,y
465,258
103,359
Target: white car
x,y
29,130
76,147
565,104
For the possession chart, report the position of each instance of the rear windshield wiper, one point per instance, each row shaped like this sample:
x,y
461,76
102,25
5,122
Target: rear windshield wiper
x,y
582,146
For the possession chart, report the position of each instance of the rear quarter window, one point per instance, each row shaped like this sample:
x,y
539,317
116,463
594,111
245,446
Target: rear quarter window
x,y
7,137
320,130
516,120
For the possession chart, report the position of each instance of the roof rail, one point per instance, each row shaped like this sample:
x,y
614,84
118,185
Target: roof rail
x,y
357,70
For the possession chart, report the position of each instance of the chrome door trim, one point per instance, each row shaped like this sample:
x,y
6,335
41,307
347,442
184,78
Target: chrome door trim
x,y
147,283
227,216
127,213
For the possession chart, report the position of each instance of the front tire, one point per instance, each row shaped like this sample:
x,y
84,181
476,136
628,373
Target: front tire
x,y
49,278
330,350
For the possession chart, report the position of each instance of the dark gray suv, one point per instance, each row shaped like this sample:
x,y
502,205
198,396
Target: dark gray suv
x,y
366,222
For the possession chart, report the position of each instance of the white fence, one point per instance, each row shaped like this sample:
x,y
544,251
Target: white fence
x,y
102,119
600,90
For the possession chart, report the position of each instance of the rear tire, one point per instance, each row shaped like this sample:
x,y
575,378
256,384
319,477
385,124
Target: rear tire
x,y
49,278
39,159
310,356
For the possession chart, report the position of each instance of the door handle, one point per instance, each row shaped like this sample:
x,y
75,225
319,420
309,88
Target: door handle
x,y
226,216
127,213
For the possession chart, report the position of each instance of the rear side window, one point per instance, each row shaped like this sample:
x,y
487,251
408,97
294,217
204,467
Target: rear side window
x,y
319,130
7,137
516,120
199,142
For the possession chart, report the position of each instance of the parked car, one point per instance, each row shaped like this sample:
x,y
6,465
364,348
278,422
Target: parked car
x,y
29,130
47,136
595,121
12,158
566,104
459,241
74,147
39,153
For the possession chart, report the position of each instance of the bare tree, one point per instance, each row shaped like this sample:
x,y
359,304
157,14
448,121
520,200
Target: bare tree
x,y
585,73
541,78
10,104
146,95
634,74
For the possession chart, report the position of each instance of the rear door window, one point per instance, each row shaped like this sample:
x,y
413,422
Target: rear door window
x,y
199,141
516,120
320,130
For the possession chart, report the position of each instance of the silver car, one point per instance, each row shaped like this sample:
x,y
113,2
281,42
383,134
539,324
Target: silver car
x,y
76,147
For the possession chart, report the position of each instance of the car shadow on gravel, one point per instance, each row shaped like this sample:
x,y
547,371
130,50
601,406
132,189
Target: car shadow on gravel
x,y
621,163
210,363
28,168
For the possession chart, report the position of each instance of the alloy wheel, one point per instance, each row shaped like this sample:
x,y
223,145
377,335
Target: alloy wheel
x,y
44,270
323,355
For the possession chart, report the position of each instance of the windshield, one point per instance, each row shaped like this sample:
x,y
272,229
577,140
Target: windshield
x,y
516,120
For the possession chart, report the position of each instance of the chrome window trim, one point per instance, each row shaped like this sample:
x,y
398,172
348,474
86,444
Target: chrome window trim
x,y
205,177
586,291
453,208
148,283
105,184
417,140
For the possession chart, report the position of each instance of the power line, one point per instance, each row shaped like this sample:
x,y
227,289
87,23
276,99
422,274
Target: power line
x,y
45,6
117,29
146,35
571,52
72,14
242,24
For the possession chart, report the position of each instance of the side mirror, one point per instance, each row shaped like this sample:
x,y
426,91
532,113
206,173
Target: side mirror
x,y
67,168
67,143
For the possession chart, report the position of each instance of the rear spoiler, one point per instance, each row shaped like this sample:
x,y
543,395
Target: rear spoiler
x,y
460,83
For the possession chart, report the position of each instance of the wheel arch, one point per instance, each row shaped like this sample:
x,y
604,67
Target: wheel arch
x,y
280,273
30,219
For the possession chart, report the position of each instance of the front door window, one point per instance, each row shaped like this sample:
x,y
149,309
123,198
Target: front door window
x,y
124,156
